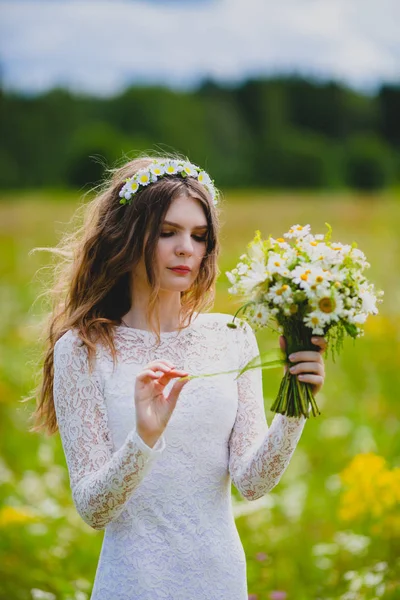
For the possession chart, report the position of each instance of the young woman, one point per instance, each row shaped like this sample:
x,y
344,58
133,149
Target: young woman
x,y
150,453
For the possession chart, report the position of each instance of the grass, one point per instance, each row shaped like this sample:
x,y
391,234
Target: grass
x,y
296,540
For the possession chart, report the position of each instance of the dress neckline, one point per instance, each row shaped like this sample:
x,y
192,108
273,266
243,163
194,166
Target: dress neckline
x,y
163,334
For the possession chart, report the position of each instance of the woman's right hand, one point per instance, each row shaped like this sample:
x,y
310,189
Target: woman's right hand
x,y
153,407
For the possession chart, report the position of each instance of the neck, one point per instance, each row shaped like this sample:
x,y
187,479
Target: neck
x,y
169,306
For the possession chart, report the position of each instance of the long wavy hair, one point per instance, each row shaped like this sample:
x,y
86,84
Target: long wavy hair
x,y
91,282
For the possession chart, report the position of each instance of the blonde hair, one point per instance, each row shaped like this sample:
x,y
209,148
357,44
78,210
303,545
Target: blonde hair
x,y
91,283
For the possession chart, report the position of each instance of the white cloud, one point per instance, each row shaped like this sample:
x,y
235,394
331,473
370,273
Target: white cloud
x,y
101,46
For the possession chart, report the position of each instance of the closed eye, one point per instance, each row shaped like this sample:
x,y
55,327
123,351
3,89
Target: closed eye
x,y
198,238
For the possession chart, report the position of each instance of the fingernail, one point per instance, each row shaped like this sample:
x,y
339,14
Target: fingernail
x,y
291,356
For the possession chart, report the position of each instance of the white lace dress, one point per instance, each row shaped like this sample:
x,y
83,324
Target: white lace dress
x,y
170,533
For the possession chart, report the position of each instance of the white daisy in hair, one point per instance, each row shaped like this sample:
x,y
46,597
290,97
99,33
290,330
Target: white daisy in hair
x,y
144,177
190,169
204,178
157,169
131,186
212,192
172,167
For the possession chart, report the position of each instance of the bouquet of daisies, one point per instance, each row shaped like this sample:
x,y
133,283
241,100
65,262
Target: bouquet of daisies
x,y
307,285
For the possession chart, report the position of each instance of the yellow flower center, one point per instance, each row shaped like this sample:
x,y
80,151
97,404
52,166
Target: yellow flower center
x,y
299,228
326,305
319,279
277,263
280,240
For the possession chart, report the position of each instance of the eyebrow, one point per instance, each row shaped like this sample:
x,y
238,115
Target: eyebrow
x,y
180,227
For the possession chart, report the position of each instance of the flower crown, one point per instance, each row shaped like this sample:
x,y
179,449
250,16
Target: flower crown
x,y
160,168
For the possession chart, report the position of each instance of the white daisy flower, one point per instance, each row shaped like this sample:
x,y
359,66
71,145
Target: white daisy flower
x,y
190,170
213,193
281,243
242,268
315,279
171,167
259,315
232,277
131,186
368,301
329,304
143,177
360,318
297,231
301,275
254,275
277,264
280,294
157,169
256,251
204,178
316,322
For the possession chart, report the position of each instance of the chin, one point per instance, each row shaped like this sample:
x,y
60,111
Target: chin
x,y
180,286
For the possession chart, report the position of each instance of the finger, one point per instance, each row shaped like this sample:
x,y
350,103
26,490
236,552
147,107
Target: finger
x,y
172,374
314,379
309,355
144,376
176,390
160,365
307,367
320,341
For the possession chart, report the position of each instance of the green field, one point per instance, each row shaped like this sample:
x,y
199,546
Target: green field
x,y
316,536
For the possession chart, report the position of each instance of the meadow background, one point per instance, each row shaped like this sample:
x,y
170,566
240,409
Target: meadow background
x,y
331,528
293,109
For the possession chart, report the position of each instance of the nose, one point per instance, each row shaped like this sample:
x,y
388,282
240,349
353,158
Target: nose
x,y
184,245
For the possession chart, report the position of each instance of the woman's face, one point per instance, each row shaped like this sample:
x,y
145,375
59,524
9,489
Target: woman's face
x,y
182,243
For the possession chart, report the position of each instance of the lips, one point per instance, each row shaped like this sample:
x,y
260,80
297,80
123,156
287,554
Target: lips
x,y
180,269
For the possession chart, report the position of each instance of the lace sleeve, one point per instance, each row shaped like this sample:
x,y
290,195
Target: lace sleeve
x,y
258,455
101,481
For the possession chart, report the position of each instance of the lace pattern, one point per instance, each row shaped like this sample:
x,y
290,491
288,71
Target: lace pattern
x,y
167,514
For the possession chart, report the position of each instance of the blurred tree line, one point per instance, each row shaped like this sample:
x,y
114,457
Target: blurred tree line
x,y
282,132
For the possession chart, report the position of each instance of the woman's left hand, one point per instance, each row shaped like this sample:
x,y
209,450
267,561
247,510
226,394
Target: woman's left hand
x,y
309,366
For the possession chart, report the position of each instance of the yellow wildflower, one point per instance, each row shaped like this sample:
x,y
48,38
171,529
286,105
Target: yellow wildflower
x,y
13,515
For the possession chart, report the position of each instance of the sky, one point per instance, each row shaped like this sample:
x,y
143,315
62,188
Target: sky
x,y
101,47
